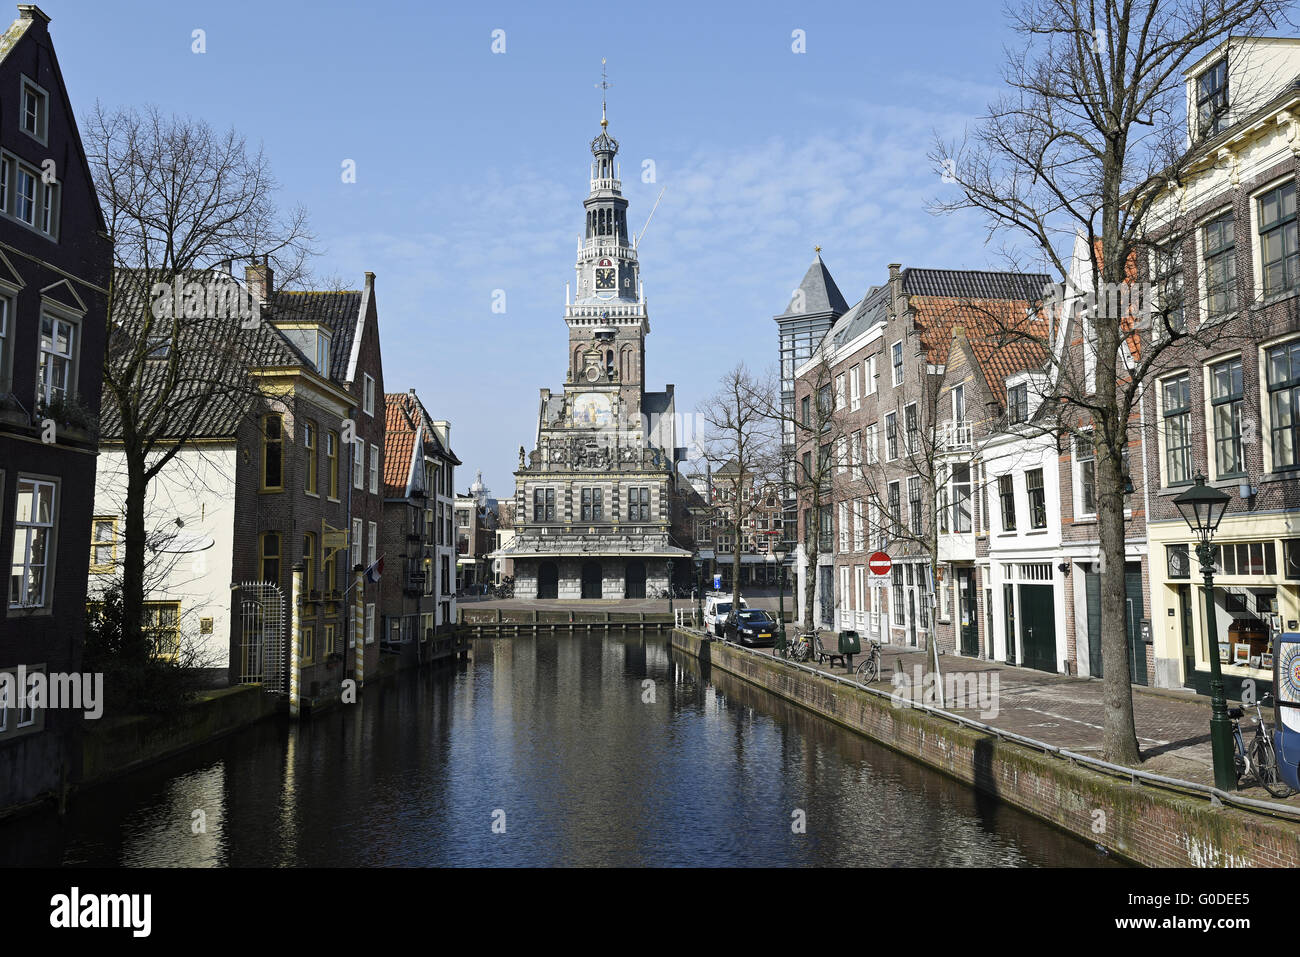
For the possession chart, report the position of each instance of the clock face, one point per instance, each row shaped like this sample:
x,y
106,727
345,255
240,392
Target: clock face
x,y
604,278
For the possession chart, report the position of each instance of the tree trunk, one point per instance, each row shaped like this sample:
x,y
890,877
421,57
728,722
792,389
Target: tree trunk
x,y
810,580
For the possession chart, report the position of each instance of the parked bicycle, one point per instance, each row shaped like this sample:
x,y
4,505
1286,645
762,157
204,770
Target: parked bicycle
x,y
868,669
1257,760
799,648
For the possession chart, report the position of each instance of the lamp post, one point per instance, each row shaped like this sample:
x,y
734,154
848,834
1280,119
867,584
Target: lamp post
x,y
778,551
699,590
670,590
1202,508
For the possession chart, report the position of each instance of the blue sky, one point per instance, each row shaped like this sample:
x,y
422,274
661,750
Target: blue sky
x,y
471,166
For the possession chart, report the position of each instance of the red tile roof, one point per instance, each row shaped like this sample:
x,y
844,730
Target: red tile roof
x,y
399,444
1002,336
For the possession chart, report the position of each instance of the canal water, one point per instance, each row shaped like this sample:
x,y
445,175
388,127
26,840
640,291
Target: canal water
x,y
606,749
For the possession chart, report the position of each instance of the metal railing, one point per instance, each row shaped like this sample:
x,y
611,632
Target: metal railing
x,y
1215,796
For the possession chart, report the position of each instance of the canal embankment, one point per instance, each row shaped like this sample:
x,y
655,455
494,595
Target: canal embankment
x,y
1149,822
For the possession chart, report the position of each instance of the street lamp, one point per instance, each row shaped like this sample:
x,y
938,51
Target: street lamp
x,y
1202,508
699,589
778,551
670,590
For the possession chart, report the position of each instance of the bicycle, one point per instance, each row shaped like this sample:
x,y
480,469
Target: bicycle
x,y
1257,760
868,669
798,648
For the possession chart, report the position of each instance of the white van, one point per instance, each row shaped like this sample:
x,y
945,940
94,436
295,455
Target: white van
x,y
716,609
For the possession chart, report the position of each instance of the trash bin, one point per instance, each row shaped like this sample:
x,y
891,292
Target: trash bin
x,y
850,645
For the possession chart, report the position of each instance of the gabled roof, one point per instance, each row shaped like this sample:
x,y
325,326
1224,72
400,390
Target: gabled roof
x,y
409,434
339,311
818,292
1003,337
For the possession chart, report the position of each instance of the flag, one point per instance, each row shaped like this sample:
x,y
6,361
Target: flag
x,y
374,571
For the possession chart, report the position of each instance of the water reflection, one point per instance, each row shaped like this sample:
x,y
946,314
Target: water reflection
x,y
593,750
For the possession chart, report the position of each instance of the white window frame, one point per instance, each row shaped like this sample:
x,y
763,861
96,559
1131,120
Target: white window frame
x,y
356,542
370,622
368,394
870,385
73,356
6,342
855,389
372,544
52,533
859,536
42,133
1161,431
374,468
1265,406
897,370
359,464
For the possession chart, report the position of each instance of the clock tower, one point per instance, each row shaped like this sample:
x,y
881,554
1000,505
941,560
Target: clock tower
x,y
594,515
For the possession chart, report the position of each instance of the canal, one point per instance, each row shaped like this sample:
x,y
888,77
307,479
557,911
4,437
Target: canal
x,y
566,750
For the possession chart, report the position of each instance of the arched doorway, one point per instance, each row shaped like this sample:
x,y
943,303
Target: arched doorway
x,y
634,579
591,580
548,580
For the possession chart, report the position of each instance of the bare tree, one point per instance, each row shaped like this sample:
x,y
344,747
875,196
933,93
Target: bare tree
x,y
1085,144
739,444
180,199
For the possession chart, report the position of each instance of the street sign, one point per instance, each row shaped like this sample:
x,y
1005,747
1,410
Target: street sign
x,y
879,563
717,582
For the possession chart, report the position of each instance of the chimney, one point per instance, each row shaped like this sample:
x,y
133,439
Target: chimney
x,y
443,428
895,287
370,284
260,279
30,11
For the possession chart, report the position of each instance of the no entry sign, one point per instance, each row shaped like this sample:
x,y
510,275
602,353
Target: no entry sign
x,y
879,563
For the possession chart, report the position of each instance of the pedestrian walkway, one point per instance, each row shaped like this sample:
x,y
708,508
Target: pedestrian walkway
x,y
1173,727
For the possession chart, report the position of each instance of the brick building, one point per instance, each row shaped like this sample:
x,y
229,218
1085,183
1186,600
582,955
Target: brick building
x,y
55,263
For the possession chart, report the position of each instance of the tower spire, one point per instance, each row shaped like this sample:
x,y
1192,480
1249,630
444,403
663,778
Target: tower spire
x,y
603,86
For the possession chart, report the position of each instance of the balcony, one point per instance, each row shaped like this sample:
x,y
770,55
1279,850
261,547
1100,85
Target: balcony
x,y
955,436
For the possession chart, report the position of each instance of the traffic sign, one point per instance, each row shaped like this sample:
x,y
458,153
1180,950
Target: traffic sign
x,y
879,563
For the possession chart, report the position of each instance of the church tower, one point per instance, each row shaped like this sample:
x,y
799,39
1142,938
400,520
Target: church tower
x,y
594,498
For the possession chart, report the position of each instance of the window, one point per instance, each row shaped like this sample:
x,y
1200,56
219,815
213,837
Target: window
x,y
359,464
896,354
34,117
1176,409
1279,256
374,468
1225,404
269,550
332,462
309,444
1037,498
272,451
805,411
25,195
859,539
891,436
307,644
897,583
961,504
1284,403
1018,403
6,307
872,445
638,505
26,705
824,407
103,544
1169,287
162,626
807,466
1220,265
1246,558
895,509
855,451
844,526
544,505
839,391
959,404
914,504
913,431
370,622
34,513
1007,496
372,545
368,396
841,454
870,372
356,542
1177,561
55,375
309,562
1212,100
592,506
1085,462
329,572
855,390
322,353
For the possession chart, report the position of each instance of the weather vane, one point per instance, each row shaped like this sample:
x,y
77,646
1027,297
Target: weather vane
x,y
603,85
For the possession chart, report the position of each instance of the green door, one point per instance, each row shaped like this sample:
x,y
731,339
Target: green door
x,y
1038,627
1092,586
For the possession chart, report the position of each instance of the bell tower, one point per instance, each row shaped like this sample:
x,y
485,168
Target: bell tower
x,y
607,316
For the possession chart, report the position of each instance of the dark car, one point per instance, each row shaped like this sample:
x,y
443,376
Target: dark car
x,y
754,626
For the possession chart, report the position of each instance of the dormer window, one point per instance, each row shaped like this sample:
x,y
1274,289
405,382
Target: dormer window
x,y
1212,100
34,116
1018,402
322,353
